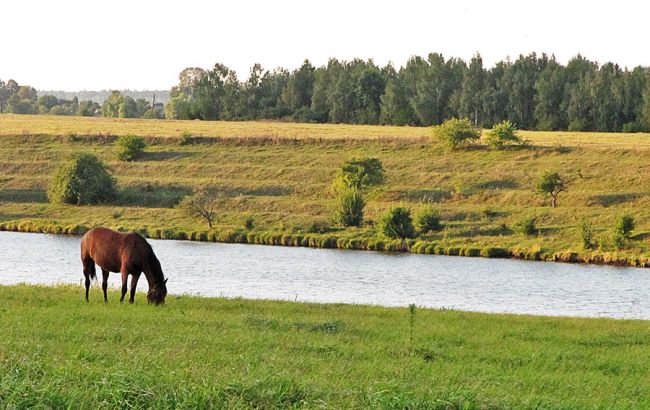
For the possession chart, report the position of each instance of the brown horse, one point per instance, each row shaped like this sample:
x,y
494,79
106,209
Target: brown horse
x,y
127,253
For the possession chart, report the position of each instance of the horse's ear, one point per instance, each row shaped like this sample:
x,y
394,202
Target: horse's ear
x,y
165,281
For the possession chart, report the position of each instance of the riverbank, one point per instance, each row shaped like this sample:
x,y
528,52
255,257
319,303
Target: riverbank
x,y
274,180
57,350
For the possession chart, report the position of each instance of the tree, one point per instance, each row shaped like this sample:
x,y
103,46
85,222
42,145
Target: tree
x,y
202,204
179,107
300,87
472,91
456,132
502,134
551,184
119,106
84,180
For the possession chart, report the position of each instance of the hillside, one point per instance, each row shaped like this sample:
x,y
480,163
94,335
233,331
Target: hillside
x,y
279,174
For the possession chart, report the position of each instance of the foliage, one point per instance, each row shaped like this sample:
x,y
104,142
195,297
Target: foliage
x,y
397,223
551,184
625,225
361,173
348,208
203,205
456,132
525,226
131,147
587,235
118,105
82,181
427,219
502,134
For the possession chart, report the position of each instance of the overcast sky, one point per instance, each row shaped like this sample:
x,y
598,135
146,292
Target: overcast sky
x,y
144,44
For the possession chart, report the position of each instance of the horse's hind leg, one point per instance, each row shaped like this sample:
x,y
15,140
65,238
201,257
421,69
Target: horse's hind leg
x,y
125,277
105,274
89,272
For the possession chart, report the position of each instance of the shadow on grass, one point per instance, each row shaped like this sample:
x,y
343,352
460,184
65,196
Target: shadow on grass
x,y
614,199
164,155
152,196
425,195
23,195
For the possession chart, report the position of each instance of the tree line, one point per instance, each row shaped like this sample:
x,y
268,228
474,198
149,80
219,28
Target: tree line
x,y
532,92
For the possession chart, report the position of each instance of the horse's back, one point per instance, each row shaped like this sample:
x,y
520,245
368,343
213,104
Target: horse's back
x,y
106,247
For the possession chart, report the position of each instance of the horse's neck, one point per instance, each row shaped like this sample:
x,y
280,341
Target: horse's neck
x,y
152,270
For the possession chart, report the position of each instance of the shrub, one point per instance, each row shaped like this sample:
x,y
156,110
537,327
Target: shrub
x,y
502,134
525,227
249,223
361,173
427,219
203,204
397,223
131,147
186,138
348,208
587,235
456,132
82,181
625,226
551,184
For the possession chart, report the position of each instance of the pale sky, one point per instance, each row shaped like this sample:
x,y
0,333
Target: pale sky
x,y
143,44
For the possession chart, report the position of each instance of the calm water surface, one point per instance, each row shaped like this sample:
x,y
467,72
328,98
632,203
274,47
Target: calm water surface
x,y
324,275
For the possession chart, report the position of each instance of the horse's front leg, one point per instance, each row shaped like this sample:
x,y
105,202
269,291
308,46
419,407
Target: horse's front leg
x,y
125,277
134,284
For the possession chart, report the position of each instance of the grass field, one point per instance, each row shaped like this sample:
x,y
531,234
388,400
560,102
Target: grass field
x,y
279,174
56,351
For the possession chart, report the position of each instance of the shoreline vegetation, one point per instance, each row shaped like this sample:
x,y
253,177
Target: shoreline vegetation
x,y
58,351
274,181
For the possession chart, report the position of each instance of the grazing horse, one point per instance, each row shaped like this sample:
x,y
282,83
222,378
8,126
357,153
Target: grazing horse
x,y
127,253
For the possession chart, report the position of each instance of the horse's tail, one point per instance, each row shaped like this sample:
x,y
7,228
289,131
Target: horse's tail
x,y
87,261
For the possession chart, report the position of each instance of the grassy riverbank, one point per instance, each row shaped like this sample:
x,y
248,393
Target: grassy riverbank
x,y
57,351
279,175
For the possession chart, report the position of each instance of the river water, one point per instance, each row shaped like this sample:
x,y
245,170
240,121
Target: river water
x,y
337,276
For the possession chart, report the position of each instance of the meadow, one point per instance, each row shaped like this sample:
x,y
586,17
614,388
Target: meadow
x,y
59,352
279,175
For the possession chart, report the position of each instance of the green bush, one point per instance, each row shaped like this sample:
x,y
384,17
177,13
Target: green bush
x,y
587,235
348,208
361,173
427,219
625,226
186,138
82,181
456,132
502,134
131,147
397,223
525,226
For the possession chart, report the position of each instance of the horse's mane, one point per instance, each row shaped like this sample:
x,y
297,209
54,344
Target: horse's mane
x,y
152,260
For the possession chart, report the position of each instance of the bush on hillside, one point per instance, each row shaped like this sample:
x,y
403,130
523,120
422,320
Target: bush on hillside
x,y
502,134
427,219
361,173
131,147
348,207
456,133
82,181
397,223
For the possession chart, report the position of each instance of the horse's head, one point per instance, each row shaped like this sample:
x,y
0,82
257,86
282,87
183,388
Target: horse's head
x,y
156,294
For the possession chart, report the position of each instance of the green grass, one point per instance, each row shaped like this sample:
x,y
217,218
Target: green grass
x,y
57,351
280,175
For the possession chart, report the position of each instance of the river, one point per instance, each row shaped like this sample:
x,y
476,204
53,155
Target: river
x,y
360,277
